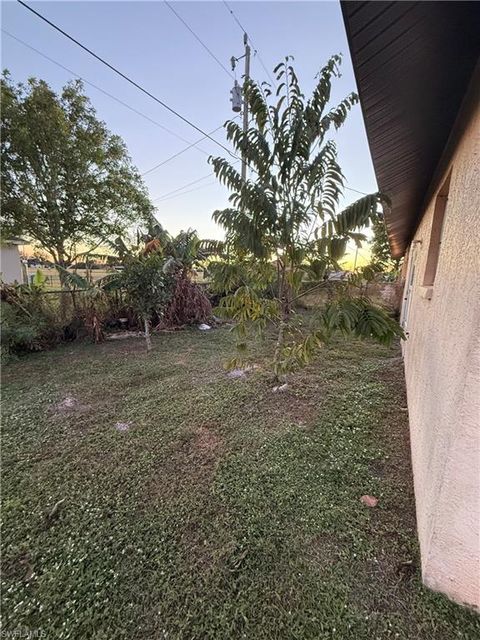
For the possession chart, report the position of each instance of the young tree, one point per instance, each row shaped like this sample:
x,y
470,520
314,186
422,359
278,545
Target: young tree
x,y
147,287
284,222
67,182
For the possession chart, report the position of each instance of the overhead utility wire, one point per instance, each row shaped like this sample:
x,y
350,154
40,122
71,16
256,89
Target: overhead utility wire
x,y
189,184
179,153
175,155
209,51
205,135
203,186
125,77
356,191
143,115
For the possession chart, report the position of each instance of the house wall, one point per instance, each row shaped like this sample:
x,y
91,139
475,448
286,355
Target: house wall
x,y
10,265
442,365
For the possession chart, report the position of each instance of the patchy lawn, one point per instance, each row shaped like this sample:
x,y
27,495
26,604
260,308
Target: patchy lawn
x,y
155,497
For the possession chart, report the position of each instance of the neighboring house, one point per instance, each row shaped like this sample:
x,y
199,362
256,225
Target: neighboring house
x,y
418,76
11,267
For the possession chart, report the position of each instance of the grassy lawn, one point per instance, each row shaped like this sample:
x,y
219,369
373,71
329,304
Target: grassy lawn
x,y
222,510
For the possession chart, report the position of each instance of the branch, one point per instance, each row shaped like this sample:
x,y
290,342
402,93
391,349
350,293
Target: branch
x,y
304,293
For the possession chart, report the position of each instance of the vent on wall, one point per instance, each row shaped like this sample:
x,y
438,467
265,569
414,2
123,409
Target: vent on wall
x,y
436,233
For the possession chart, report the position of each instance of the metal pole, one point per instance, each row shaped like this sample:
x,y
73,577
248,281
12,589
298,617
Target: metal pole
x,y
245,105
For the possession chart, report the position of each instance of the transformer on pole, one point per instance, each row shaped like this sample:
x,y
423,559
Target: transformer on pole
x,y
236,99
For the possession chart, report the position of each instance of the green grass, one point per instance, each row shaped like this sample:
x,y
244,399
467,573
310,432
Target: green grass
x,y
225,511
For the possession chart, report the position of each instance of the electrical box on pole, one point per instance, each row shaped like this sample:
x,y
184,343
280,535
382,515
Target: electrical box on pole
x,y
236,98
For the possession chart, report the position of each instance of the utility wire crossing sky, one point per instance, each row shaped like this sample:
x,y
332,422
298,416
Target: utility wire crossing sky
x,y
168,62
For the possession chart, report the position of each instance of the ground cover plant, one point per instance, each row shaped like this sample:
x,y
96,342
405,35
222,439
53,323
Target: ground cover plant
x,y
158,496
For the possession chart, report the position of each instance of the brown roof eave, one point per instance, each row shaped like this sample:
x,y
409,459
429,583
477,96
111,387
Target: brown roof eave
x,y
413,62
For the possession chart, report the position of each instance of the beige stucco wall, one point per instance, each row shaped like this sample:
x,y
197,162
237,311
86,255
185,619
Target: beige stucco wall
x,y
10,265
442,365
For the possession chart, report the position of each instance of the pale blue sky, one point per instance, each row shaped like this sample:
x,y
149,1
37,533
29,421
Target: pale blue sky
x,y
147,41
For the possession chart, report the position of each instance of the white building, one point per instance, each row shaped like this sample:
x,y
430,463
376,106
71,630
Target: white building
x,y
11,268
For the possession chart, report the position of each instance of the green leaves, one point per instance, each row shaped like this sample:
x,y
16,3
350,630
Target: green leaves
x,y
72,280
286,216
66,180
357,215
360,317
295,180
145,284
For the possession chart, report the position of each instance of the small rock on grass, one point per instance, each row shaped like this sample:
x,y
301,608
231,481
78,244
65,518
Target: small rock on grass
x,y
236,373
204,327
122,335
281,387
369,501
123,426
68,403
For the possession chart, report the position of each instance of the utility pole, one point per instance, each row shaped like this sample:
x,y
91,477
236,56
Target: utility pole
x,y
245,105
235,96
355,261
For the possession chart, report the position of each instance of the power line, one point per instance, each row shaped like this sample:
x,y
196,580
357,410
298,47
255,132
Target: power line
x,y
135,111
189,184
125,77
235,17
175,155
357,191
230,11
179,153
138,86
209,51
263,65
203,186
143,115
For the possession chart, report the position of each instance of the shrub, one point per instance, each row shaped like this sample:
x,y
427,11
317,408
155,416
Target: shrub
x,y
189,303
29,321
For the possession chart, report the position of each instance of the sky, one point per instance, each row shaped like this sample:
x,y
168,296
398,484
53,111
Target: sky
x,y
148,42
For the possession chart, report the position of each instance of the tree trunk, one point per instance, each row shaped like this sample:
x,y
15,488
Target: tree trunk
x,y
148,340
284,291
60,260
279,349
285,308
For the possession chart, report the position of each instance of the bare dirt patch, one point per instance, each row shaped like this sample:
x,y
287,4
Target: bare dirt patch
x,y
324,549
205,441
289,405
190,466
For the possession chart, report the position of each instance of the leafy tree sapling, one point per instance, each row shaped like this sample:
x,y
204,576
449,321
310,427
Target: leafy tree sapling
x,y
283,223
147,287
